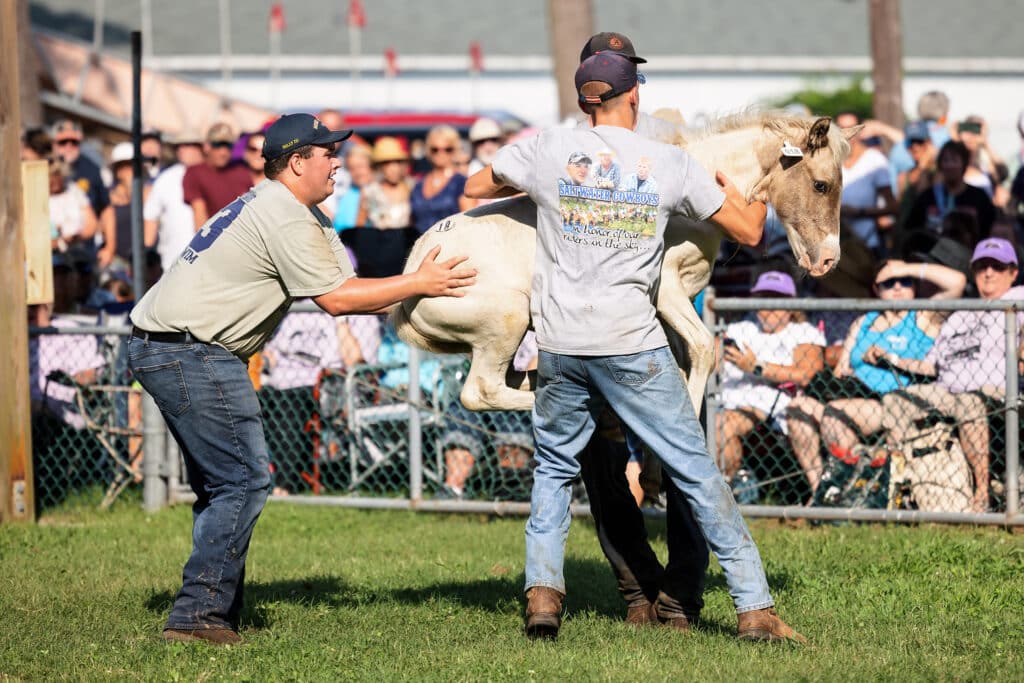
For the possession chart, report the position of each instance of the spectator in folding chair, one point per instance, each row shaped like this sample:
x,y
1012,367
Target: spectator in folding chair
x,y
304,345
66,453
968,362
468,436
844,407
778,348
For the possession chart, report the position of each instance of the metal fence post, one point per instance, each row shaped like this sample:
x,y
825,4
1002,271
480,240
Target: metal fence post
x,y
711,389
1012,417
154,440
415,429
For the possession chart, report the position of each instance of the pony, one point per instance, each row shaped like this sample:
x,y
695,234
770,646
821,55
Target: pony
x,y
795,163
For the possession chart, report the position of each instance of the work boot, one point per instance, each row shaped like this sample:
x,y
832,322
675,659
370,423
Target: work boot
x,y
642,614
764,625
543,613
214,636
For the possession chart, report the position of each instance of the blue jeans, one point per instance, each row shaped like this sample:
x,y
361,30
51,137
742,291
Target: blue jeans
x,y
210,406
646,391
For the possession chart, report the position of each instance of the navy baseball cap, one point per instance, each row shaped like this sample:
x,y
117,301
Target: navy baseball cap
x,y
917,130
610,42
606,67
292,131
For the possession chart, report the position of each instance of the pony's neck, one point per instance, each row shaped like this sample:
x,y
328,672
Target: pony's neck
x,y
735,153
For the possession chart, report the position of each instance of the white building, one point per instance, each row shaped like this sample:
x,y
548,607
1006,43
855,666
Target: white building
x,y
704,57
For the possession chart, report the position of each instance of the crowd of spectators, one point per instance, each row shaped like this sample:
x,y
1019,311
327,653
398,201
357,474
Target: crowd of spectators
x,y
379,207
917,206
926,211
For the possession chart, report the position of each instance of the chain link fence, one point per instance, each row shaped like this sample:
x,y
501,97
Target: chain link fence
x,y
867,409
355,417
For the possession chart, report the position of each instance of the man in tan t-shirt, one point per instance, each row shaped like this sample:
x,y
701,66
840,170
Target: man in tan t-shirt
x,y
217,305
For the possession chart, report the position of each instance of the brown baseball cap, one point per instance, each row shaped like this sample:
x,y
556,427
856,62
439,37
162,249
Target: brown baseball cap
x,y
610,42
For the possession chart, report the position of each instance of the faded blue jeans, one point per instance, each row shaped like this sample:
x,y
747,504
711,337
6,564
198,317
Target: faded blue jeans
x,y
647,392
210,406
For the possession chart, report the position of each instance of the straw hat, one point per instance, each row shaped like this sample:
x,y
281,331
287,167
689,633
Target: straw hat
x,y
388,149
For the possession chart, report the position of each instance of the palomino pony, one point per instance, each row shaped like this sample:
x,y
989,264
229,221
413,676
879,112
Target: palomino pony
x,y
794,163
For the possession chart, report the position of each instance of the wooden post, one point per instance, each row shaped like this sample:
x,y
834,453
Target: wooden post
x,y
887,60
35,231
16,495
571,23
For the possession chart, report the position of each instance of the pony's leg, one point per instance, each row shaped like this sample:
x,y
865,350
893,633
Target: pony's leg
x,y
676,310
486,387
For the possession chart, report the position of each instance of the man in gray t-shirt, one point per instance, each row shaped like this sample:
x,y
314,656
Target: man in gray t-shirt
x,y
593,308
218,304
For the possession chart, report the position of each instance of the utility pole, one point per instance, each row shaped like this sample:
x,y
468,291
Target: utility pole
x,y
571,23
28,70
887,60
16,502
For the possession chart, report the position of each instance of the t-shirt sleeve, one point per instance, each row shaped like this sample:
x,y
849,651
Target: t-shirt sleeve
x,y
809,334
190,185
880,178
515,165
153,207
306,261
701,197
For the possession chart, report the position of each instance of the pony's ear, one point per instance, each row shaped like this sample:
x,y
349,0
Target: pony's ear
x,y
817,136
851,132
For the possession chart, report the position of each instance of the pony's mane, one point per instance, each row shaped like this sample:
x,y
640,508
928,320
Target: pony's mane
x,y
779,122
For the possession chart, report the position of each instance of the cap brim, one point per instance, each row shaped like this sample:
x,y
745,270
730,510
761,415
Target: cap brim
x,y
332,136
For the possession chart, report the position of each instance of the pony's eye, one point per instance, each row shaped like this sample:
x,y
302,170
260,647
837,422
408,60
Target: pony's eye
x,y
820,186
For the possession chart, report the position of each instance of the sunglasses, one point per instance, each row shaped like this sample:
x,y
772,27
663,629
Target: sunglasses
x,y
253,149
438,150
983,265
904,282
71,143
480,142
222,145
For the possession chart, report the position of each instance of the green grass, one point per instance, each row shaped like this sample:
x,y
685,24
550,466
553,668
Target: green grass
x,y
353,595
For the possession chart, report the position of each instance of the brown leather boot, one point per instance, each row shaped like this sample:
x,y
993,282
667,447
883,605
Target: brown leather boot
x,y
764,625
543,612
643,614
678,622
214,636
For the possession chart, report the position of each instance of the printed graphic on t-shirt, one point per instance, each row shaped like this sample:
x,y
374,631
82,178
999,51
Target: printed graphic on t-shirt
x,y
964,345
213,228
598,211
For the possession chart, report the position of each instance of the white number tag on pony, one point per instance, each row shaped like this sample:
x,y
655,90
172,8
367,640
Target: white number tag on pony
x,y
789,150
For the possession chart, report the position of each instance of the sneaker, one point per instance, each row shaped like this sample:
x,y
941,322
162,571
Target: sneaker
x,y
214,636
543,613
745,487
764,625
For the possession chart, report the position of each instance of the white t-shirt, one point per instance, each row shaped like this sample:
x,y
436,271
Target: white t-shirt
x,y
67,211
236,279
166,204
70,353
861,184
743,390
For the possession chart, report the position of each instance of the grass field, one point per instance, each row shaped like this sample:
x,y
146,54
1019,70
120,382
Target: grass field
x,y
351,595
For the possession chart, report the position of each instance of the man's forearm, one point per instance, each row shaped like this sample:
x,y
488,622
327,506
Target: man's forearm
x,y
366,295
484,185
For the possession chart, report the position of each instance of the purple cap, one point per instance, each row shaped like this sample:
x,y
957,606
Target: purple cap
x,y
995,248
775,282
606,67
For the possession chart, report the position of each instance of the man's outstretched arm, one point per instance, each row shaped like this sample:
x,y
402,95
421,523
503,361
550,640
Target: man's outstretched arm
x,y
483,185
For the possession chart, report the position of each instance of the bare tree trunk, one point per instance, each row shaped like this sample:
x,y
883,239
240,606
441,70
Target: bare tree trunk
x,y
887,60
28,70
571,24
16,501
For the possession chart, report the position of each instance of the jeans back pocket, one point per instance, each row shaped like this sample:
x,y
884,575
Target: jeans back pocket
x,y
166,384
